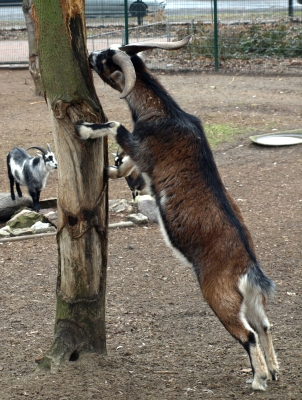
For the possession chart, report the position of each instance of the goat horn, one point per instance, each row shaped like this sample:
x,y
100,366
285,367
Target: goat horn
x,y
135,48
124,62
49,148
44,151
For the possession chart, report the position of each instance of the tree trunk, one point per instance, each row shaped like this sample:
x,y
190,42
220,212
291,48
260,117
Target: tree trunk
x,y
82,186
33,57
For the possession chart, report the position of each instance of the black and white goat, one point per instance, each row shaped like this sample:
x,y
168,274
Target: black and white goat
x,y
198,218
134,179
30,171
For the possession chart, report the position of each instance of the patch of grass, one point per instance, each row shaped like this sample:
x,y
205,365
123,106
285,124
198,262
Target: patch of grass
x,y
218,133
246,40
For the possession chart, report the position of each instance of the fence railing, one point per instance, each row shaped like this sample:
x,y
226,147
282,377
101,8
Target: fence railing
x,y
235,35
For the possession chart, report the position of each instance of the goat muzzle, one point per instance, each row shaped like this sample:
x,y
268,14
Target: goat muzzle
x,y
91,60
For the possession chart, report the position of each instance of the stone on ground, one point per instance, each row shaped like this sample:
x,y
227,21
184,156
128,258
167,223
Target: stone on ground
x,y
8,207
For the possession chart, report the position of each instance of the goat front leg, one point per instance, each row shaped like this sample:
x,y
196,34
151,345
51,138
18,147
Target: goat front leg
x,y
18,189
119,133
35,197
87,130
122,170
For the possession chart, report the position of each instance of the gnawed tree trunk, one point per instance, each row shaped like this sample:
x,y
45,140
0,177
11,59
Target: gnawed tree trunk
x,y
33,57
82,186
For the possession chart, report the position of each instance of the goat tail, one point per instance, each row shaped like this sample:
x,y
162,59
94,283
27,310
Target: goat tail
x,y
255,279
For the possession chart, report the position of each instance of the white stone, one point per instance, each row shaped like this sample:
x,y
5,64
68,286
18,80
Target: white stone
x,y
42,227
6,228
52,218
119,206
137,218
4,233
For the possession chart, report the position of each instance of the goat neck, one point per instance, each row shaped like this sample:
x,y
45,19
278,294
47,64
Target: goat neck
x,y
148,97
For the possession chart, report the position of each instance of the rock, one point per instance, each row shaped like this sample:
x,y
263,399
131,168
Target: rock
x,y
119,206
4,233
48,203
21,231
24,219
6,228
146,205
42,227
52,218
8,207
138,218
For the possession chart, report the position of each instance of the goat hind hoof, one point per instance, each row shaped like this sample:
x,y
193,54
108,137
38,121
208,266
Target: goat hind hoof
x,y
259,383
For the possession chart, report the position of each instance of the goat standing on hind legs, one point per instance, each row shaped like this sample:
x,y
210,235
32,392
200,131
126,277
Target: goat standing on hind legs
x,y
198,218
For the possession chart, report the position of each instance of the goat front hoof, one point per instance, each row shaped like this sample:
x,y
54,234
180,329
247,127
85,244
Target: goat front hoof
x,y
83,129
112,172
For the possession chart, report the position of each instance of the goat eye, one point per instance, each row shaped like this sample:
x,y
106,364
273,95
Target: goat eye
x,y
49,158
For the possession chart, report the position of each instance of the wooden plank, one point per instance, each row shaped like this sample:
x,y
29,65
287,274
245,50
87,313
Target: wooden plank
x,y
125,224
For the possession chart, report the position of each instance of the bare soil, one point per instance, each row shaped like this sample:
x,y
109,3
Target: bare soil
x,y
163,341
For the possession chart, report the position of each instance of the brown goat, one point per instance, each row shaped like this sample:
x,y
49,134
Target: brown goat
x,y
198,218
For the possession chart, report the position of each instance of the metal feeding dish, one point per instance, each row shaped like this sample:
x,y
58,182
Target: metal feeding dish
x,y
287,138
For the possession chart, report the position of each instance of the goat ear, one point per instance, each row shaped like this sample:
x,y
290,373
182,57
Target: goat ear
x,y
39,155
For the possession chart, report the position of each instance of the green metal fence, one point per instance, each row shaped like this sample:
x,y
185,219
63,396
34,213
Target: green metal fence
x,y
228,35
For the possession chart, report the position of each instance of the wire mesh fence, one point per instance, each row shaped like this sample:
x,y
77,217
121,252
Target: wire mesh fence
x,y
228,35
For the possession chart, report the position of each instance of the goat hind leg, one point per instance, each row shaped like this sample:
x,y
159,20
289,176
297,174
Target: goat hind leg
x,y
229,311
11,179
12,182
266,342
250,341
256,316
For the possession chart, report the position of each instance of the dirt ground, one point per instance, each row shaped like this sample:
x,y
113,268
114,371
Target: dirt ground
x,y
163,341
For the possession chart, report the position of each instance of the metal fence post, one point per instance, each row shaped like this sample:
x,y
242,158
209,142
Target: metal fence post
x,y
216,35
290,9
168,32
126,22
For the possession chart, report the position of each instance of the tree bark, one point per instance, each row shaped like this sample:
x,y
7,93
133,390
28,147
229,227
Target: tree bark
x,y
33,57
82,184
